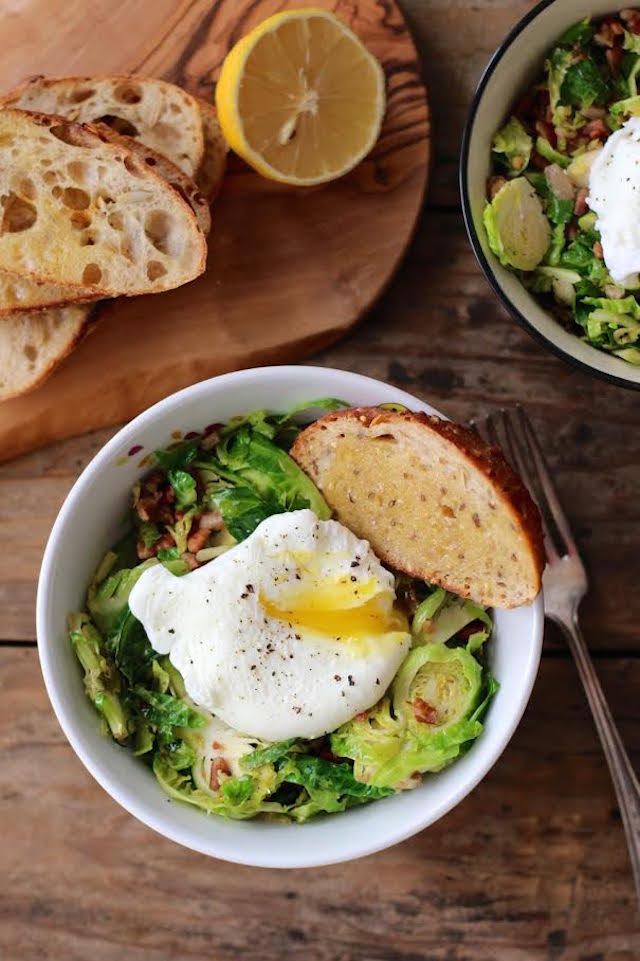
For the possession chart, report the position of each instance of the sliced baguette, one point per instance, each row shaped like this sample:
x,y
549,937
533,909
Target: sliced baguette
x,y
175,177
81,212
20,293
33,344
432,499
161,115
211,171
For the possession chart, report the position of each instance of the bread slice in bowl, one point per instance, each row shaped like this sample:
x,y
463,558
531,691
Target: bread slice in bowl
x,y
432,498
161,115
80,212
34,343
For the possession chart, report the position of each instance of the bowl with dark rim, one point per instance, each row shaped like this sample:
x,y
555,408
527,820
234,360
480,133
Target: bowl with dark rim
x,y
512,68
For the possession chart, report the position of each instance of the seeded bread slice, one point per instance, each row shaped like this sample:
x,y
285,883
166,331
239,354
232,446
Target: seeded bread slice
x,y
161,115
432,499
175,177
214,161
81,212
33,344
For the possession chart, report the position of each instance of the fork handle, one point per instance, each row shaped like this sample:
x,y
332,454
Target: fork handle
x,y
623,776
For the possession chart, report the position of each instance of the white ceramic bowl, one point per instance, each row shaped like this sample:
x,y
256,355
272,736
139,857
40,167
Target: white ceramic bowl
x,y
88,524
514,65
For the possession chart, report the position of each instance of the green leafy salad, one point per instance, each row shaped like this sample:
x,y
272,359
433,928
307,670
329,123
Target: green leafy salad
x,y
203,495
537,217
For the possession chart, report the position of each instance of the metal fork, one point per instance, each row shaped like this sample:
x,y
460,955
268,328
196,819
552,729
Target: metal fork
x,y
564,585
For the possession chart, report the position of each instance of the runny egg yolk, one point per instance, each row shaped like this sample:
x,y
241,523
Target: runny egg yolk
x,y
339,609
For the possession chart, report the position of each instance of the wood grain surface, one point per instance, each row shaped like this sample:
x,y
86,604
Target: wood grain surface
x,y
532,866
288,272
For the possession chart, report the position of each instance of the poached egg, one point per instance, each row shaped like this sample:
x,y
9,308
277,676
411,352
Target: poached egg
x,y
614,196
288,634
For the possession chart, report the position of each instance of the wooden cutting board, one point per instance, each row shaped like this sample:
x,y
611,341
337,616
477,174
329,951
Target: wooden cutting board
x,y
289,270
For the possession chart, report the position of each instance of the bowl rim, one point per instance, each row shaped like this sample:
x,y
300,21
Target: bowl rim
x,y
487,73
361,845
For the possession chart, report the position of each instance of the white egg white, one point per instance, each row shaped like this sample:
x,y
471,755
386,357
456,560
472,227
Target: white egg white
x,y
288,634
614,196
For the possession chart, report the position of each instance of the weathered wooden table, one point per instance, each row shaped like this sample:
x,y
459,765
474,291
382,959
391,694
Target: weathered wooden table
x,y
533,864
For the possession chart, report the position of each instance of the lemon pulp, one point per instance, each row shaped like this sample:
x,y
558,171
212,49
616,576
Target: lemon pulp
x,y
300,98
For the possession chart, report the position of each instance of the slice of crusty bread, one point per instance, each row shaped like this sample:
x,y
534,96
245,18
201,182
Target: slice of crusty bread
x,y
78,211
175,177
161,115
432,499
34,343
21,293
214,161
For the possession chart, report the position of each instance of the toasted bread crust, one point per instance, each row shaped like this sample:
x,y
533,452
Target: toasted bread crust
x,y
83,327
486,459
41,82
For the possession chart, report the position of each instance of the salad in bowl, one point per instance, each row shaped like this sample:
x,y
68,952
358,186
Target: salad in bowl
x,y
563,196
256,637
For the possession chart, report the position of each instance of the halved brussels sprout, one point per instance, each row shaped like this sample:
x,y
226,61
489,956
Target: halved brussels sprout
x,y
434,709
518,231
513,146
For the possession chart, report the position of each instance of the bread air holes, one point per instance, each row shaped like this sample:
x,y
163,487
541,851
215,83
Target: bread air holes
x,y
166,131
157,227
116,220
119,124
74,135
155,270
128,93
80,219
17,214
79,96
50,176
30,352
75,198
25,187
78,171
132,164
91,275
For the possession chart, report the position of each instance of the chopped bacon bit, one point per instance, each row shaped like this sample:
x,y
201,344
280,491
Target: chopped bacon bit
x,y
218,766
596,130
143,552
210,439
212,521
216,745
494,184
547,131
538,161
580,206
362,716
632,19
597,249
571,232
164,543
614,58
190,560
424,713
607,33
197,539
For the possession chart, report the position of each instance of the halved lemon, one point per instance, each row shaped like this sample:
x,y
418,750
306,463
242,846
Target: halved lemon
x,y
300,98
